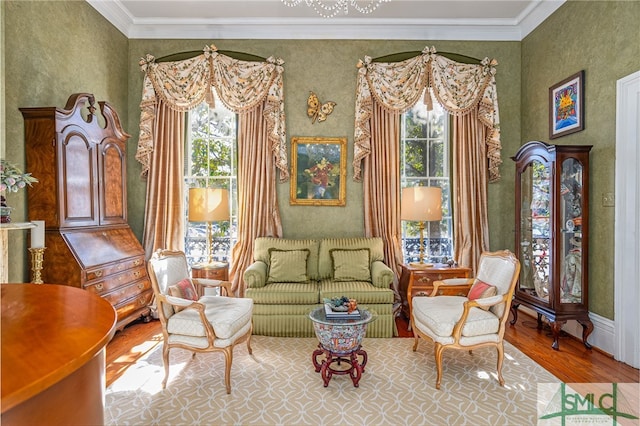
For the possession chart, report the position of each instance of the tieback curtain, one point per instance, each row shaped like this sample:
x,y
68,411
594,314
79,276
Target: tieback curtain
x,y
397,86
252,89
241,85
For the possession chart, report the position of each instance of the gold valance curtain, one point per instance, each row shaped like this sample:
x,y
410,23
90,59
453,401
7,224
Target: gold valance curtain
x,y
252,89
463,90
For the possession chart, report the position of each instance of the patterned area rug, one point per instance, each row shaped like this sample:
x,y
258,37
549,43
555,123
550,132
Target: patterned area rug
x,y
278,385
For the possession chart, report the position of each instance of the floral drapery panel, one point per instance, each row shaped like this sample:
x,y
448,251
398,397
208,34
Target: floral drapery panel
x,y
241,85
462,89
458,87
252,89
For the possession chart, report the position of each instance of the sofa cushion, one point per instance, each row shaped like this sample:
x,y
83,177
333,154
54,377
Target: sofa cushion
x,y
325,267
364,292
351,264
262,245
285,293
287,266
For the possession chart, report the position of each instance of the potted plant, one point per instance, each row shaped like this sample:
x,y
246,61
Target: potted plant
x,y
12,179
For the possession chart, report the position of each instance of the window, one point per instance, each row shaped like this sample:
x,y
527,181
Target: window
x,y
424,156
211,162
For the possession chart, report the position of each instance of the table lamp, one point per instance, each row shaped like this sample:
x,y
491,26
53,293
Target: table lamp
x,y
208,205
421,204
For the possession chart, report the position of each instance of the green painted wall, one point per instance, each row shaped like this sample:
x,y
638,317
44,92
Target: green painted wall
x,y
51,50
602,38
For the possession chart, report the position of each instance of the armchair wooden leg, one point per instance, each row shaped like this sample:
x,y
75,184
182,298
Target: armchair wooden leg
x,y
500,348
228,360
249,341
415,341
165,361
439,349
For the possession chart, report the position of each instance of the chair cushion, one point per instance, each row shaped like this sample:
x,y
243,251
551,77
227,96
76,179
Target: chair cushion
x,y
227,316
351,264
203,342
184,289
441,314
287,266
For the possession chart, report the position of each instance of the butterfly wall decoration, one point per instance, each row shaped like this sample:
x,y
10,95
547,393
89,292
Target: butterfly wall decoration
x,y
316,110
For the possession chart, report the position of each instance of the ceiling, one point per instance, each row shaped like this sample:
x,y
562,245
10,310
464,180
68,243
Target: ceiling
x,y
271,19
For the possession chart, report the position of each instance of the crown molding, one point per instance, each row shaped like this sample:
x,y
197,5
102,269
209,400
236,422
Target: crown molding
x,y
536,14
320,28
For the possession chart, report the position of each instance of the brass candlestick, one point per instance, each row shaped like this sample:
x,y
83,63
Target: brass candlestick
x,y
37,257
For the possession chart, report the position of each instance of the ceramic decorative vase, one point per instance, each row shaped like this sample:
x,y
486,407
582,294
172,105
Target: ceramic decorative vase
x,y
5,211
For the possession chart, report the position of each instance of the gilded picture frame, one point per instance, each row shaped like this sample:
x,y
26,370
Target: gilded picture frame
x,y
318,171
566,106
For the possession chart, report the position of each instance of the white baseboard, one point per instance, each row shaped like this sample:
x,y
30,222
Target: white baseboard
x,y
602,337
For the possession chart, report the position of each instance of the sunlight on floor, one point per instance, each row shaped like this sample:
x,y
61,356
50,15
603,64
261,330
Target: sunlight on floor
x,y
510,358
141,374
482,375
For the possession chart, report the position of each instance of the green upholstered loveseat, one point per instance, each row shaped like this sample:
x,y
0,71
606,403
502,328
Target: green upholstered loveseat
x,y
289,278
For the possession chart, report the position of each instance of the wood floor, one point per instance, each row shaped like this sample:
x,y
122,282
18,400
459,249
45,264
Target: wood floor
x,y
573,363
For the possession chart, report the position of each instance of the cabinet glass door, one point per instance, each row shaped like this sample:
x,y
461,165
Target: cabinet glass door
x,y
571,207
535,230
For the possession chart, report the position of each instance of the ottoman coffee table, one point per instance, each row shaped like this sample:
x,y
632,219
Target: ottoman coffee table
x,y
340,342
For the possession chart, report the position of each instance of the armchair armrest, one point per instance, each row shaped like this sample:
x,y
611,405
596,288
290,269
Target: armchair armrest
x,y
190,304
484,303
487,302
381,275
255,275
468,282
208,283
177,301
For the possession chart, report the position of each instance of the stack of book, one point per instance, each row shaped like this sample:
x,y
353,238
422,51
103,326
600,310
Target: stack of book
x,y
331,314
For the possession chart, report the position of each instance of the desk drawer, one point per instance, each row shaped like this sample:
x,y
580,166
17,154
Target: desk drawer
x,y
127,291
106,270
113,282
128,307
453,290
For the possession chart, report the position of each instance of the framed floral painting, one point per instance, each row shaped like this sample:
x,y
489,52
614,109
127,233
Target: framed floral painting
x,y
566,106
319,171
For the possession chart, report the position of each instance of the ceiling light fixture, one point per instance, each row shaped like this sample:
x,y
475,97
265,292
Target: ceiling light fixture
x,y
331,8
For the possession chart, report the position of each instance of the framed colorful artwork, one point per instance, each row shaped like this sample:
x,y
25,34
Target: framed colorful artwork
x,y
566,106
319,171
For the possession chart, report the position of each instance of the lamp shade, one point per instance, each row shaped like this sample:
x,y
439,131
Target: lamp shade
x,y
421,203
208,204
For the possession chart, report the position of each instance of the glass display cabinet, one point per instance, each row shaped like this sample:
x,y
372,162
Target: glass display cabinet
x,y
552,234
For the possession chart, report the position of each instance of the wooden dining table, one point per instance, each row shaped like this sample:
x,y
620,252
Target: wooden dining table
x,y
53,354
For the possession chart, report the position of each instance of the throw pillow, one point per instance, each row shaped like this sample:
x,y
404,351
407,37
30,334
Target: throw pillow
x,y
351,265
184,289
287,266
481,290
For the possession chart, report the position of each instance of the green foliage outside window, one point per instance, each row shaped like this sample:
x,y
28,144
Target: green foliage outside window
x,y
211,161
424,161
